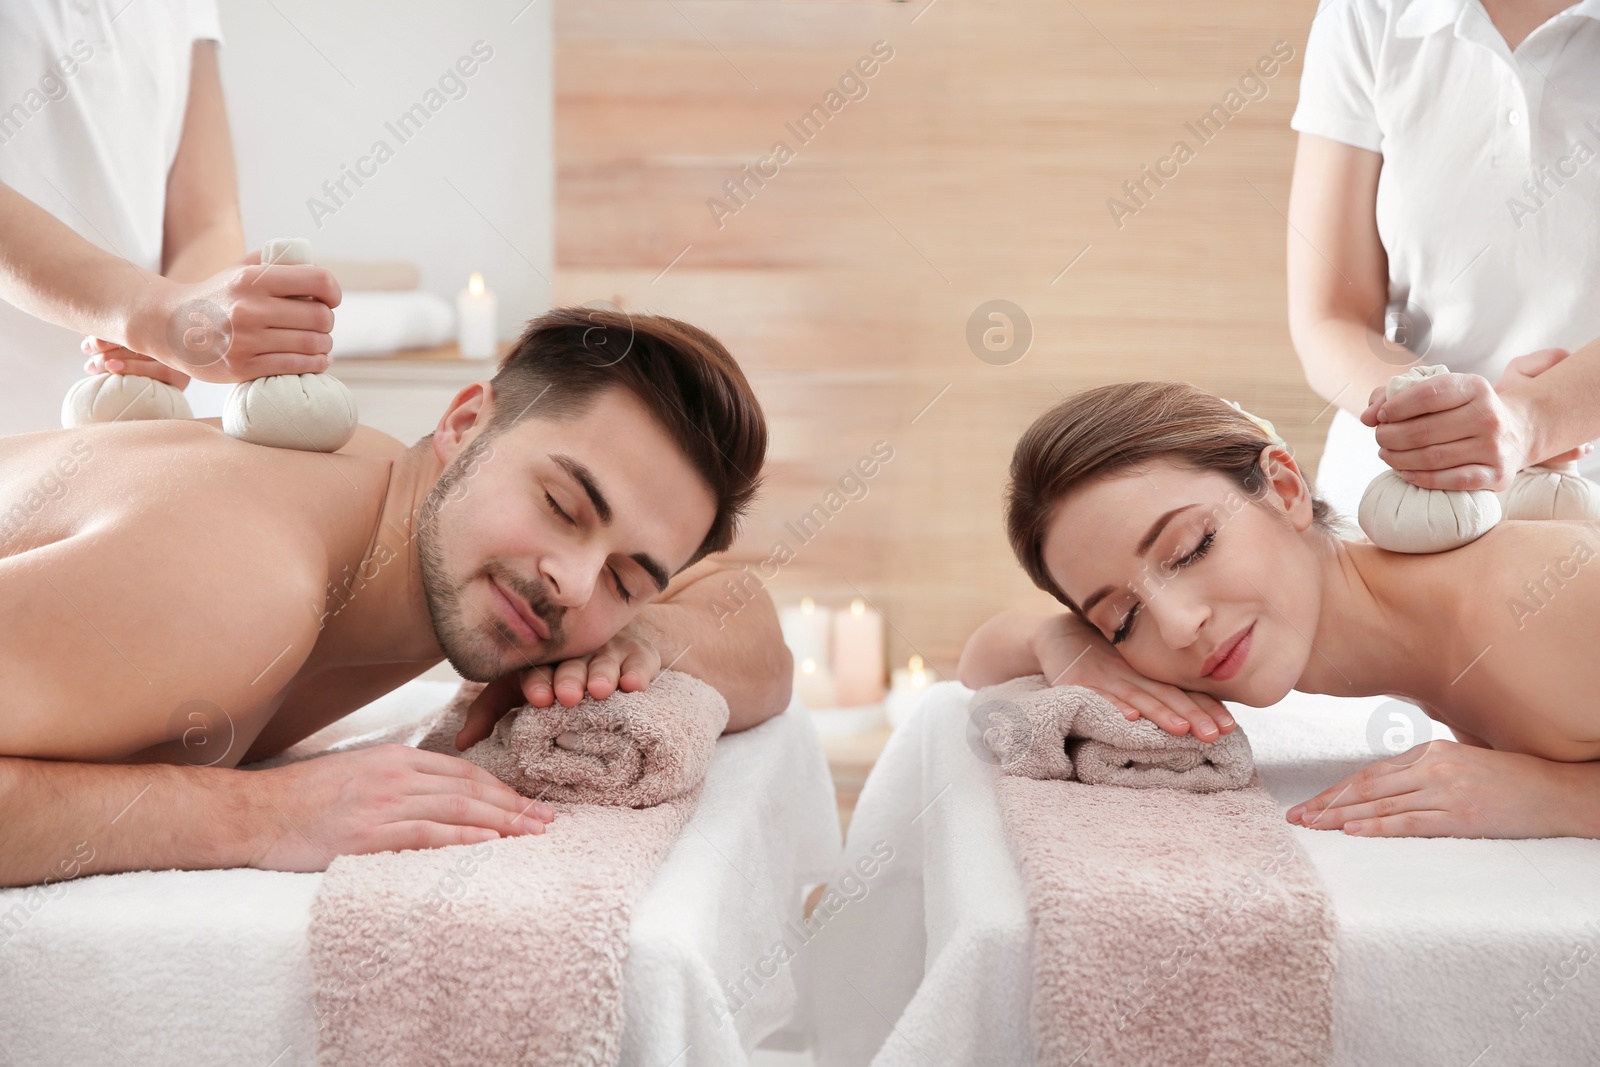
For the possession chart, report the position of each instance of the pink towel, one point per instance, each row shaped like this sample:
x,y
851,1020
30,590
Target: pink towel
x,y
1071,732
512,951
1170,925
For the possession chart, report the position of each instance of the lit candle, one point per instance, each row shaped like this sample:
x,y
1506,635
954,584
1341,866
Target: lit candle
x,y
806,630
858,655
907,686
477,333
814,685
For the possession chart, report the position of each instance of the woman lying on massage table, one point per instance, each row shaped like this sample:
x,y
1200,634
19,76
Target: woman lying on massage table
x,y
1197,566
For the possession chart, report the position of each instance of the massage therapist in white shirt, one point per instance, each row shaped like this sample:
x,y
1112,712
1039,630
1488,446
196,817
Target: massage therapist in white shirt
x,y
118,199
1447,196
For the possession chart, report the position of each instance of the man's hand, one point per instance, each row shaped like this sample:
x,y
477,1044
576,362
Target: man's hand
x,y
1072,653
1446,789
380,799
629,661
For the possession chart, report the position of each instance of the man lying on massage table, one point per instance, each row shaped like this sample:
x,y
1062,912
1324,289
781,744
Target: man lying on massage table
x,y
1198,566
180,602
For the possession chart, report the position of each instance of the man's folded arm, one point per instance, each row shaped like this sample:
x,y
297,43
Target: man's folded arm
x,y
728,637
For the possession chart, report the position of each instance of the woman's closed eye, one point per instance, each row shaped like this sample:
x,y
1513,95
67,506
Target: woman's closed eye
x,y
1122,632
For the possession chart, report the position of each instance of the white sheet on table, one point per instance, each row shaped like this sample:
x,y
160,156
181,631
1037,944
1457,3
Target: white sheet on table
x,y
212,967
1439,939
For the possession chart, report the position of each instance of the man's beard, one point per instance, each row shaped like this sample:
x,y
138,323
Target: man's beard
x,y
457,624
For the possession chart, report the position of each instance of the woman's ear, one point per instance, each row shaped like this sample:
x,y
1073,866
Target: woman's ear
x,y
1286,484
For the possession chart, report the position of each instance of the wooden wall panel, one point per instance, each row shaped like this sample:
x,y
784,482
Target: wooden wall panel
x,y
977,167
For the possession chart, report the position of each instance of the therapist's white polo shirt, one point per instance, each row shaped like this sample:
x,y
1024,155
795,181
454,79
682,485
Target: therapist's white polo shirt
x,y
1489,198
92,100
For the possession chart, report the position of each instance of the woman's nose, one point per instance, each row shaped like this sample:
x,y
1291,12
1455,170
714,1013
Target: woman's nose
x,y
1179,619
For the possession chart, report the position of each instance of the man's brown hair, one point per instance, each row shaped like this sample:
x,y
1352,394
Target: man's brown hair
x,y
1121,427
684,377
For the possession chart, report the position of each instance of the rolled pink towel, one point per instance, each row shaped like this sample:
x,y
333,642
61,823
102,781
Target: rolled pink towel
x,y
1069,732
631,749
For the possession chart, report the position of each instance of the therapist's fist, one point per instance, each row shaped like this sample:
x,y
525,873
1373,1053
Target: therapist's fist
x,y
246,322
1452,431
108,357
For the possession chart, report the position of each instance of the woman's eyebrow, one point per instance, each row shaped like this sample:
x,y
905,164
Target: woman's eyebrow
x,y
1143,547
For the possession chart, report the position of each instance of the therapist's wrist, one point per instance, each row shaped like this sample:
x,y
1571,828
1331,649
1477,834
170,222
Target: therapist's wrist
x,y
1528,426
148,317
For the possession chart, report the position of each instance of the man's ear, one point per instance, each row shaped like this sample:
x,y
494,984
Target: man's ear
x,y
472,407
1285,483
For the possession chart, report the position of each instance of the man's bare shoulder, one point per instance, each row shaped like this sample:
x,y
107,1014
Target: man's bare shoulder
x,y
164,568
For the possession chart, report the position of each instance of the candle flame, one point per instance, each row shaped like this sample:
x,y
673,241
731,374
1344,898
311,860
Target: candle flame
x,y
807,605
808,666
858,607
475,284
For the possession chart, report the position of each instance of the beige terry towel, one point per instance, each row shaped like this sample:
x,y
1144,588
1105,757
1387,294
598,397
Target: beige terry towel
x,y
512,951
1169,925
1037,731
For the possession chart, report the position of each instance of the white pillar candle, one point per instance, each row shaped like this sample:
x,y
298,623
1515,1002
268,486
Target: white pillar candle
x,y
477,328
858,655
906,687
806,630
813,684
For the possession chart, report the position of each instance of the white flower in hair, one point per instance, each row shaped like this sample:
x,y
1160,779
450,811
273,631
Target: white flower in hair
x,y
1266,427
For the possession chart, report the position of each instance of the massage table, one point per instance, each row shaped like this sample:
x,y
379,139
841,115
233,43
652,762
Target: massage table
x,y
1441,941
213,967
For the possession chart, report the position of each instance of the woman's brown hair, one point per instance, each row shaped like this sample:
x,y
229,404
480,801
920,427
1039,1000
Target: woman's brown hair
x,y
1113,428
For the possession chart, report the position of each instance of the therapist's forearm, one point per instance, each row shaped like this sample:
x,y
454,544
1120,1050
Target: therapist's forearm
x,y
1337,354
1562,405
49,271
207,252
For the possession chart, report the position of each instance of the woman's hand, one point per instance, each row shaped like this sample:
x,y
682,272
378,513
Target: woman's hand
x,y
246,322
629,661
1452,431
1446,789
1456,431
1072,653
108,357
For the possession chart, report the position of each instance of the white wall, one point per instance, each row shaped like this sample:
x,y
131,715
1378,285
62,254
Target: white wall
x,y
309,87
309,92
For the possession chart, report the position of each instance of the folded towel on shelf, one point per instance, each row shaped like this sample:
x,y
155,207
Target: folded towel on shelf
x,y
1069,732
450,955
1147,902
366,275
378,323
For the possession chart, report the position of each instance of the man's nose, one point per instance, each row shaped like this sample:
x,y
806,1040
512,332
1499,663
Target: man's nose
x,y
570,578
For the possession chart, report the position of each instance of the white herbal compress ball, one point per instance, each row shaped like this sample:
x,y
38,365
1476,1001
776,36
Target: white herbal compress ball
x,y
311,412
1402,517
121,398
1551,491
